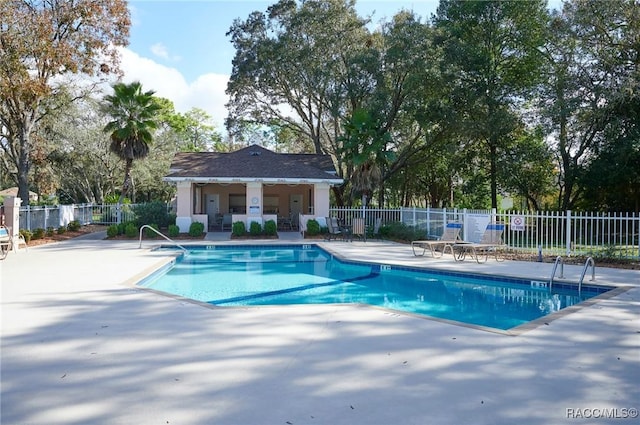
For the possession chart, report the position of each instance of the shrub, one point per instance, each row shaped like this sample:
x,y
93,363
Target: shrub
x,y
62,230
112,231
196,229
238,228
270,228
152,212
131,230
74,226
255,228
50,232
26,234
401,231
38,233
150,233
173,231
313,227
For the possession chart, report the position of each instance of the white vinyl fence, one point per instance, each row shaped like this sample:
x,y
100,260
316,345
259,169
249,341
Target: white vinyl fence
x,y
547,232
44,217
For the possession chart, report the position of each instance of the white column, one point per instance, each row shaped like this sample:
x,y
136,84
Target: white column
x,y
12,217
321,199
254,203
184,205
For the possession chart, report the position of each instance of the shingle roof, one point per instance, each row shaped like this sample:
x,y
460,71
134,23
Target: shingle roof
x,y
252,162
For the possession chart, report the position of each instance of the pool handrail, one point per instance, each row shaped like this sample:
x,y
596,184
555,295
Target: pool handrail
x,y
553,271
584,271
158,232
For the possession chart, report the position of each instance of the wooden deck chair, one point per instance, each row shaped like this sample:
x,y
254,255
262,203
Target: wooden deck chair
x,y
450,236
490,243
359,229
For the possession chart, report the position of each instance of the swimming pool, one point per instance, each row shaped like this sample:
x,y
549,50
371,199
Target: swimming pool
x,y
306,274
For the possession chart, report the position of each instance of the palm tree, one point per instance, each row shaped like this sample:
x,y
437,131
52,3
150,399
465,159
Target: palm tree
x,y
134,114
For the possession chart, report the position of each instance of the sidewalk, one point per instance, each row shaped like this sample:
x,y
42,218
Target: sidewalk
x,y
82,345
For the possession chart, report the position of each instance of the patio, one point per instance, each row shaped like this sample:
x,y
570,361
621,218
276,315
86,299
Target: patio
x,y
82,345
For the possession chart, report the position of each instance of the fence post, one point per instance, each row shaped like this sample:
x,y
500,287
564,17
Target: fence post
x,y
568,236
465,227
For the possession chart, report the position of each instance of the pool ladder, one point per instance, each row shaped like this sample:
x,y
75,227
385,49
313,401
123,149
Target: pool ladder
x,y
584,270
587,263
553,272
167,238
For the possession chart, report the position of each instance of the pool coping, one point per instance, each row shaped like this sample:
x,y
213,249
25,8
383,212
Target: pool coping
x,y
608,290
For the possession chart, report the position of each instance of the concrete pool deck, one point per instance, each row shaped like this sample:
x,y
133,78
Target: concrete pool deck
x,y
82,345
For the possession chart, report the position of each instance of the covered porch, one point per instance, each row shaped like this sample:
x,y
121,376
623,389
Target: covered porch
x,y
220,204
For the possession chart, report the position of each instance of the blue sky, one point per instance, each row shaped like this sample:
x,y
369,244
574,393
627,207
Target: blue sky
x,y
180,50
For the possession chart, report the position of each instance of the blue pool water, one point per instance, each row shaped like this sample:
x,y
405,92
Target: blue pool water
x,y
306,274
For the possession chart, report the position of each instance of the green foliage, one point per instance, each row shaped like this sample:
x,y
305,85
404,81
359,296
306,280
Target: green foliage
x,y
74,226
400,231
26,234
196,229
131,230
150,233
112,231
255,228
113,198
313,227
270,228
173,231
50,231
152,212
238,228
62,230
38,233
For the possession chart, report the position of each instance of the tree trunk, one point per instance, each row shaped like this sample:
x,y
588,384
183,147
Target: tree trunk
x,y
493,173
127,180
24,165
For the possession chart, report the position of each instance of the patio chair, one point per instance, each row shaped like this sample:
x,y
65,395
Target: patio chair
x,y
376,228
227,221
10,242
491,243
5,242
450,236
334,229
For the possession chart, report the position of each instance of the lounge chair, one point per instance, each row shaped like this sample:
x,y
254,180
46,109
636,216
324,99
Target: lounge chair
x,y
449,237
491,243
334,229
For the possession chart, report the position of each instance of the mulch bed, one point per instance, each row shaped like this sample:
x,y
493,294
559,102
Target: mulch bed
x,y
66,235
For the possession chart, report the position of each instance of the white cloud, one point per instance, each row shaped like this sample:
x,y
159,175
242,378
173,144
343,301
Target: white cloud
x,y
206,92
160,50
